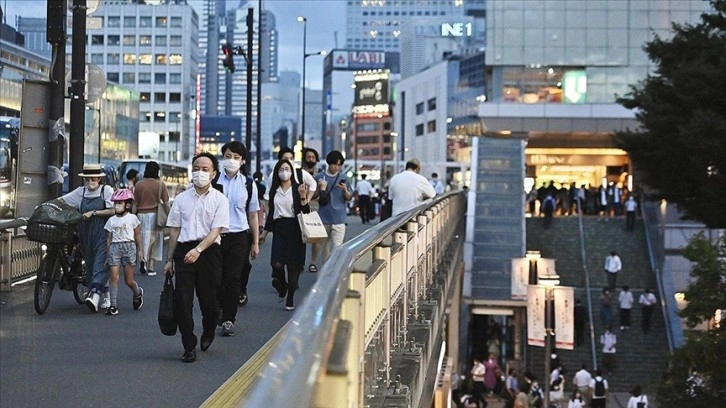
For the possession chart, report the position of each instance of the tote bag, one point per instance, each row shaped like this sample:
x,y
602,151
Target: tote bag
x,y
311,227
161,212
167,320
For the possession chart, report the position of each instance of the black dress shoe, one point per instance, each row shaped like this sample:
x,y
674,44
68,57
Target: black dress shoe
x,y
189,356
206,342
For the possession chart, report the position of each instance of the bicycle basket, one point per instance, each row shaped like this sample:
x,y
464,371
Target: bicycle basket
x,y
49,233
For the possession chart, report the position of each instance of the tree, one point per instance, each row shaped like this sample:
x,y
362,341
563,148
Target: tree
x,y
697,374
680,148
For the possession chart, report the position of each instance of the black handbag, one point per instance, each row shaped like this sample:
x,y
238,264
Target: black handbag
x,y
167,320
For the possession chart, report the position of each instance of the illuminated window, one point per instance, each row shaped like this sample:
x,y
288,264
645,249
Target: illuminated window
x,y
162,21
145,40
129,59
175,59
145,96
145,59
160,59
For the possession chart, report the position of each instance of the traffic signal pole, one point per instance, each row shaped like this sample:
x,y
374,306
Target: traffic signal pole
x,y
78,88
248,110
56,36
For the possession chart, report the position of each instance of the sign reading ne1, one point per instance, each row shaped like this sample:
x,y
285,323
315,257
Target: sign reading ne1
x,y
456,30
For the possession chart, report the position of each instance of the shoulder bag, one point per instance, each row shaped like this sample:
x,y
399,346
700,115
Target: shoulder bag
x,y
162,213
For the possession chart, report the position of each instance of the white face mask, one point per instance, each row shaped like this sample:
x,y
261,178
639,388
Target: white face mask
x,y
201,178
92,185
119,208
284,175
232,165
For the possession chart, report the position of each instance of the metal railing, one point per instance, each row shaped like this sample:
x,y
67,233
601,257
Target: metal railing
x,y
586,270
19,258
378,303
666,286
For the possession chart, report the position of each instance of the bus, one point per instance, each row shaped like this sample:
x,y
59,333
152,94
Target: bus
x,y
176,177
9,130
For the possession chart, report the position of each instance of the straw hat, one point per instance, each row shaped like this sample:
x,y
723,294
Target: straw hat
x,y
92,170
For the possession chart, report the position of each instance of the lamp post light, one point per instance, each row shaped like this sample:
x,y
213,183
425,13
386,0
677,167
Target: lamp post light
x,y
549,282
98,111
304,21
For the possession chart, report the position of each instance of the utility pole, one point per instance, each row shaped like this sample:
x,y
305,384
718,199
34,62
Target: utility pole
x,y
258,140
56,36
78,88
248,123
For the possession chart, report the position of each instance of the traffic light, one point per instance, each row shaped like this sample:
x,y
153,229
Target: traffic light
x,y
228,57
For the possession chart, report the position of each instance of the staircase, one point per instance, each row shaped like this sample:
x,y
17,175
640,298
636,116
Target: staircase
x,y
640,358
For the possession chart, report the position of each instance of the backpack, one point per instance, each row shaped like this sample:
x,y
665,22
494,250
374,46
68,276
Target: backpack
x,y
641,404
599,387
536,396
248,184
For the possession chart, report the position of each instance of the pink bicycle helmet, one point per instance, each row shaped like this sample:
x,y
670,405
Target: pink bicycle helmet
x,y
123,194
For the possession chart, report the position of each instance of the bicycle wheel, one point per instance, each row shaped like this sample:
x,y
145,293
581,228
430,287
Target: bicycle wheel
x,y
45,281
79,291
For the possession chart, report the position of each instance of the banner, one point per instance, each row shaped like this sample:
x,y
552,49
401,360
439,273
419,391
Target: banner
x,y
520,278
535,315
564,317
545,267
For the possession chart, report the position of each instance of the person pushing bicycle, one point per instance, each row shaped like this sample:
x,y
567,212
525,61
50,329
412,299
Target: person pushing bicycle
x,y
93,200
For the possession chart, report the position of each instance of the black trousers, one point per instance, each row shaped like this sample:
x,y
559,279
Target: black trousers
x,y
625,317
630,220
364,203
235,250
647,312
203,276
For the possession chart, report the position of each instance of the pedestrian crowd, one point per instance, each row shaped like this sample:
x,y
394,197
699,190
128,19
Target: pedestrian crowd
x,y
215,229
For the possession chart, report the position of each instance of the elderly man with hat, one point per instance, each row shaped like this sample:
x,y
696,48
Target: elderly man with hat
x,y
93,200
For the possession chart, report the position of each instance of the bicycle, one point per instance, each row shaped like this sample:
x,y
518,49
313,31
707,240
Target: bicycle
x,y
62,261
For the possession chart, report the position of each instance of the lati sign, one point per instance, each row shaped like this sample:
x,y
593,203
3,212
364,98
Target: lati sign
x,y
456,30
355,60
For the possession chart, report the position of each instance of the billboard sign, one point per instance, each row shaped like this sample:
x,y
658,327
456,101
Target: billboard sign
x,y
371,94
356,60
535,315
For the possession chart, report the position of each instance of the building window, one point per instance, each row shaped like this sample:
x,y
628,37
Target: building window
x,y
145,40
144,21
159,116
175,41
129,78
387,126
129,40
97,40
419,108
174,117
431,126
129,59
419,130
162,21
112,77
114,22
160,78
96,58
159,97
144,77
368,127
175,59
175,78
176,22
113,58
145,116
114,40
174,136
160,59
145,59
175,97
145,96
130,21
431,104
160,40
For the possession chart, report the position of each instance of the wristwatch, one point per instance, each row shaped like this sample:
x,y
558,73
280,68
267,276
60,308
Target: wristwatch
x,y
198,249
93,213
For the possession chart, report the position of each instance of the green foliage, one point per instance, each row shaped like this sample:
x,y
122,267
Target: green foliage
x,y
680,148
703,351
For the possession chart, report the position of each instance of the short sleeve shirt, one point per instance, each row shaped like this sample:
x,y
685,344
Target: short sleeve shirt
x,y
122,227
75,197
235,188
196,215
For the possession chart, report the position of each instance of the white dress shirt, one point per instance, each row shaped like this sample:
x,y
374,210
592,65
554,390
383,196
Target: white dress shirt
x,y
284,203
308,179
196,215
409,189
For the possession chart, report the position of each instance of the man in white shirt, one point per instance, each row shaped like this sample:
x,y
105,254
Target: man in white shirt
x,y
647,302
608,341
599,390
409,189
437,184
613,265
582,381
626,305
364,190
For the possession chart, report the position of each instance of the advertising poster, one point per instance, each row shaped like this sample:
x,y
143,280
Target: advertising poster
x,y
545,267
520,278
564,317
535,315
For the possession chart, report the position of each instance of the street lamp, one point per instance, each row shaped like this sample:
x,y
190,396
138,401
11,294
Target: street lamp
x,y
304,21
549,282
98,110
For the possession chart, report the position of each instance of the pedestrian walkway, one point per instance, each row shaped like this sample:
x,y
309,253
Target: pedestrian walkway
x,y
70,358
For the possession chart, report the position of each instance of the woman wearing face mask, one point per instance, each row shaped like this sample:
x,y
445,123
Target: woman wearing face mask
x,y
287,199
93,200
150,192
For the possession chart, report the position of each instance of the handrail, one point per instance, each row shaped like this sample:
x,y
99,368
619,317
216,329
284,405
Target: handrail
x,y
16,223
668,306
583,255
294,367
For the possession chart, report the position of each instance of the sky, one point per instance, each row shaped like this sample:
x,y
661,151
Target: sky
x,y
325,18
